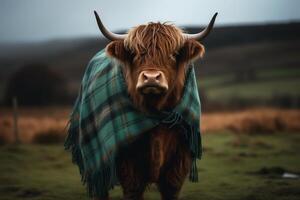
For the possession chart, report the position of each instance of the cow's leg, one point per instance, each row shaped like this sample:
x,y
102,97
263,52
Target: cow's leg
x,y
132,168
102,198
173,176
134,193
132,179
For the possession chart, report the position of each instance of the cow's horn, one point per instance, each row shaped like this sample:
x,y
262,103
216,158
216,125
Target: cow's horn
x,y
109,35
205,32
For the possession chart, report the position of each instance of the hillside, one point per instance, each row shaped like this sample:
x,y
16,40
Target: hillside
x,y
235,51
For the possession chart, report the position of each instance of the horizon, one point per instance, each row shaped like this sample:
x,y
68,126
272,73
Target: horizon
x,y
94,36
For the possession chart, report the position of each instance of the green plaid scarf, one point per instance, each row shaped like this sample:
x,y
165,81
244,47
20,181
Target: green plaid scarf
x,y
104,118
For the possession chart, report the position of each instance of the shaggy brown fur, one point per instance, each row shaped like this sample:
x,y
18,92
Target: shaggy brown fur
x,y
155,46
161,155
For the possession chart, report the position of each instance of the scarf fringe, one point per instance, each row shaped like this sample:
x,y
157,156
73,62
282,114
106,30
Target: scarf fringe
x,y
98,182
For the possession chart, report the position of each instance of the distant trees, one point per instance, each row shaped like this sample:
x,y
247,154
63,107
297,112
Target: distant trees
x,y
36,84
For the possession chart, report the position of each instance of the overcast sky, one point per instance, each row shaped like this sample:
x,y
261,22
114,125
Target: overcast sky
x,y
36,20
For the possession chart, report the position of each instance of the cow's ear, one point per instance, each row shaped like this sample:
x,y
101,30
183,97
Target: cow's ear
x,y
191,50
116,49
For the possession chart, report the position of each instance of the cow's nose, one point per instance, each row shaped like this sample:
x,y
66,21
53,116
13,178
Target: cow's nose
x,y
152,76
152,82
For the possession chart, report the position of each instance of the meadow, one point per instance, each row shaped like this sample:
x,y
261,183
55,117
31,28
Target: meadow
x,y
275,86
234,167
245,156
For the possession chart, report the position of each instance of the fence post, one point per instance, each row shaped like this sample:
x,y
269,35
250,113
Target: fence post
x,y
16,116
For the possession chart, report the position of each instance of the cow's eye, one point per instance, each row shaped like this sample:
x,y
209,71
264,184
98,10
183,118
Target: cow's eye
x,y
173,56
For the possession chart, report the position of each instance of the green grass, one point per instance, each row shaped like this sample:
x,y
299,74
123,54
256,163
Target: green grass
x,y
216,80
262,90
227,170
278,73
268,83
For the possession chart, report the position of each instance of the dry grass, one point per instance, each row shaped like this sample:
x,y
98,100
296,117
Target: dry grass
x,y
33,121
36,123
50,136
259,120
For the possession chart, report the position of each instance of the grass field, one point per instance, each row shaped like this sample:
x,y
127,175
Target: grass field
x,y
234,167
256,89
266,84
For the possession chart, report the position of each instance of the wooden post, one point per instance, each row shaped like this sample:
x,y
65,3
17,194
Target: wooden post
x,y
16,116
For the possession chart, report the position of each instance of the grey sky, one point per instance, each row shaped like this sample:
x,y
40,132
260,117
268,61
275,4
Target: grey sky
x,y
35,20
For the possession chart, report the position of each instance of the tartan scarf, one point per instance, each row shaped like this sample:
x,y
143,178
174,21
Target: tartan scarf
x,y
104,118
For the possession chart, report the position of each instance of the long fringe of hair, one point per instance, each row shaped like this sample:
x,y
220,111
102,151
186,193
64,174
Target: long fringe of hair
x,y
154,40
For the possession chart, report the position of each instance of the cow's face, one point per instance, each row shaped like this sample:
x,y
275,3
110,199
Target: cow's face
x,y
154,58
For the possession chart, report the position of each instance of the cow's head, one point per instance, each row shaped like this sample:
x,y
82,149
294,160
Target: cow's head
x,y
154,59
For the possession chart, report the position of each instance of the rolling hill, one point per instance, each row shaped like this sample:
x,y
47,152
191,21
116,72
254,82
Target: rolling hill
x,y
238,53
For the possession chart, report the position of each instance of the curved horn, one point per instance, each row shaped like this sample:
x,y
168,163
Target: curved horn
x,y
109,35
205,32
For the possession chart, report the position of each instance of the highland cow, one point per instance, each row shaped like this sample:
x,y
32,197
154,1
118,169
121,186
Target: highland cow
x,y
149,131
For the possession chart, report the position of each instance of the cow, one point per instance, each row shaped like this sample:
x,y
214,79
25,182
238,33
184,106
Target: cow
x,y
154,59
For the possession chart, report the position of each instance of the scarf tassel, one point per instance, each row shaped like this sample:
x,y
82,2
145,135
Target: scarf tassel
x,y
98,182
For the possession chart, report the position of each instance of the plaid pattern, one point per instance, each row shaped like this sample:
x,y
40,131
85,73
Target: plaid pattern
x,y
104,118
